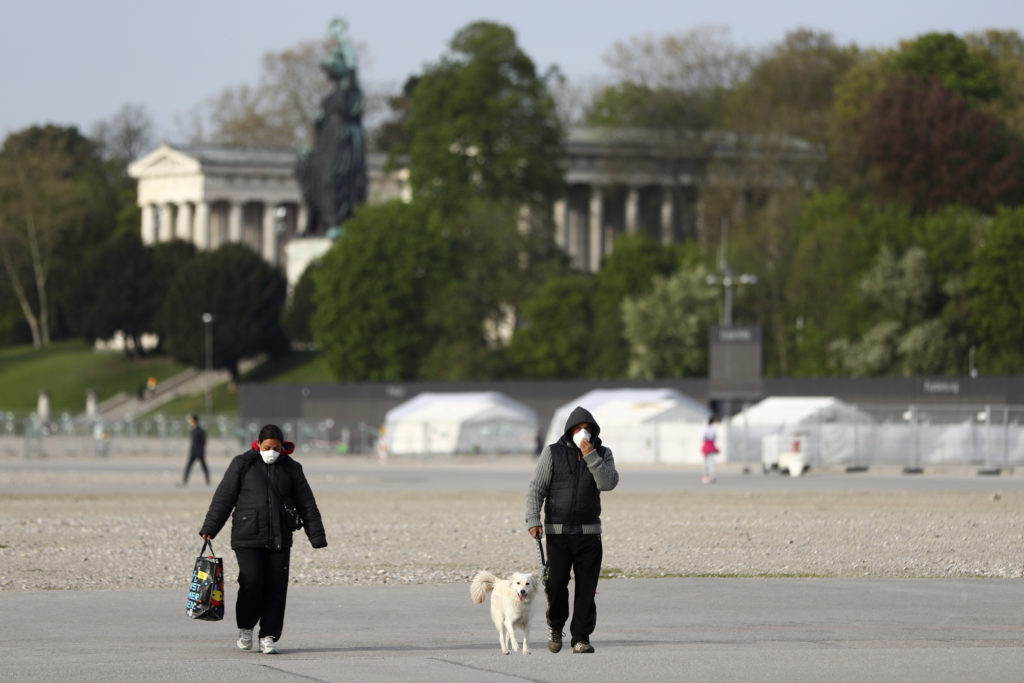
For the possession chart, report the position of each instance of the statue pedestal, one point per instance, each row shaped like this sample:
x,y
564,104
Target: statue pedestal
x,y
299,252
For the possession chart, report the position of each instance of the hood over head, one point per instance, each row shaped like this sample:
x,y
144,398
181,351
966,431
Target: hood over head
x,y
579,415
287,447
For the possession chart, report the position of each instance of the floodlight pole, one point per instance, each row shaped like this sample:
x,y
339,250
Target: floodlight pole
x,y
208,325
727,279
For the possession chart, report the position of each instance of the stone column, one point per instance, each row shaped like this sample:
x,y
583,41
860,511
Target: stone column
x,y
201,225
183,224
166,222
561,229
667,214
270,233
148,224
632,207
234,222
596,246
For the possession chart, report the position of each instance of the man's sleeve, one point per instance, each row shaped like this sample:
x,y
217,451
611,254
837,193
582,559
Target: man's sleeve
x,y
603,468
538,489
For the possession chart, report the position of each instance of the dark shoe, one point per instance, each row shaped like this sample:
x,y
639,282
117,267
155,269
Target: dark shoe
x,y
583,646
555,640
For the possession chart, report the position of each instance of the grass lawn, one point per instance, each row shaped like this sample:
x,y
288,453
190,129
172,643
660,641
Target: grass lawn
x,y
67,370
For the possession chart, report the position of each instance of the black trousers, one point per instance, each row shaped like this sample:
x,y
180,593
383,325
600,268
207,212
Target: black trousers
x,y
202,463
262,589
580,554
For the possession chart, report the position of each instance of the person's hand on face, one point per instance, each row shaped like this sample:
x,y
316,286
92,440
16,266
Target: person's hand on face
x,y
581,434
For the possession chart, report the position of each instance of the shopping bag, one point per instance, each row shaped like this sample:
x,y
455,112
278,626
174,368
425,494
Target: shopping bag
x,y
206,591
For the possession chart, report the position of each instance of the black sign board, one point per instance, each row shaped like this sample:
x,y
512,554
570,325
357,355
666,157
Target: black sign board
x,y
734,362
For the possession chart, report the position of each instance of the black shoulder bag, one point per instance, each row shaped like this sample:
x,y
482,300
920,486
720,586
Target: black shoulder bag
x,y
292,519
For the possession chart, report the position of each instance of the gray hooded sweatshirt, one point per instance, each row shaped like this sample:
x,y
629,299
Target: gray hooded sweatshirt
x,y
569,484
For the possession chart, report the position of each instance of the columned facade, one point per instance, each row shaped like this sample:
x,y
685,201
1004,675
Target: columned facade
x,y
670,187
211,196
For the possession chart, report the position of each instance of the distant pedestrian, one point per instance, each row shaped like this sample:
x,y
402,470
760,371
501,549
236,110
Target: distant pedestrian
x,y
197,450
709,449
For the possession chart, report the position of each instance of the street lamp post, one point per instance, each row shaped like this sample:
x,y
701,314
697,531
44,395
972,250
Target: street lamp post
x,y
727,280
208,325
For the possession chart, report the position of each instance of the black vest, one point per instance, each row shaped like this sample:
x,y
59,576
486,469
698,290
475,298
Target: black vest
x,y
573,497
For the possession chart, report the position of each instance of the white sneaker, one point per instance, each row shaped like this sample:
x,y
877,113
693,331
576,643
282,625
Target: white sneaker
x,y
245,639
267,645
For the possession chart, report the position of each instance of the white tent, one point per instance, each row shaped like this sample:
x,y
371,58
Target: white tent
x,y
823,428
641,425
467,422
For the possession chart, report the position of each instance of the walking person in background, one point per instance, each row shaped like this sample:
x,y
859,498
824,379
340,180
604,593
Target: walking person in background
x,y
265,487
196,450
568,480
708,449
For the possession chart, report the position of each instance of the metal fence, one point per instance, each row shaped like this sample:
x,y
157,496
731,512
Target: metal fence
x,y
910,435
907,435
226,435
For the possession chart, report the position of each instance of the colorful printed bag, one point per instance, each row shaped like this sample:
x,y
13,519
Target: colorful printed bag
x,y
206,591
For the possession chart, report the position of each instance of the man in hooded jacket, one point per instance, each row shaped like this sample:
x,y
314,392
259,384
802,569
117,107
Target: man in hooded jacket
x,y
568,480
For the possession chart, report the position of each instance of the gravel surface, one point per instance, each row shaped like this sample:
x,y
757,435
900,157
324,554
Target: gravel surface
x,y
149,540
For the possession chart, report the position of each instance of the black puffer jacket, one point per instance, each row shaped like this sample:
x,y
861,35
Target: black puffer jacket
x,y
257,519
574,497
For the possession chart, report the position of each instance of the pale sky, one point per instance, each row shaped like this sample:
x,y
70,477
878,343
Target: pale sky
x,y
74,62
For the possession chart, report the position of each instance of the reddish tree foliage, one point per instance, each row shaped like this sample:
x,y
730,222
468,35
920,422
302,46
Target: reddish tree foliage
x,y
930,148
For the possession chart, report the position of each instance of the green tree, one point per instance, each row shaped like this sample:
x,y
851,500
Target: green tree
x,y
1003,53
836,240
54,202
244,294
109,298
556,334
996,294
947,57
628,271
374,290
791,87
484,125
679,82
667,329
497,255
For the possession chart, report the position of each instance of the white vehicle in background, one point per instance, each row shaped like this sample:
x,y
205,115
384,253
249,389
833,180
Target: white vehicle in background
x,y
785,452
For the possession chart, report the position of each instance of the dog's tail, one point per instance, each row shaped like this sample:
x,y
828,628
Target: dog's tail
x,y
483,583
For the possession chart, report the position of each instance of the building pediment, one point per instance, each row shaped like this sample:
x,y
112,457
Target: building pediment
x,y
164,161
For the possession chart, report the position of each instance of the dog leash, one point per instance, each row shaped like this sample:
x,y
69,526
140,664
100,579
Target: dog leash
x,y
543,562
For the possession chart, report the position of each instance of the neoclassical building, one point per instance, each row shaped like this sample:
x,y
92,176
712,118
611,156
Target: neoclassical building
x,y
212,195
668,185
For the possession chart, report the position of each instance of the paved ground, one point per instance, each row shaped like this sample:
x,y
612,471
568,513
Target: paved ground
x,y
659,629
693,629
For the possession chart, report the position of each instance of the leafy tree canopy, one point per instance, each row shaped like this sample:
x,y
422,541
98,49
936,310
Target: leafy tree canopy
x,y
483,124
244,294
374,289
947,56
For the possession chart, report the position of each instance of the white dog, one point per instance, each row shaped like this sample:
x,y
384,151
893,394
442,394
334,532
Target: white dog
x,y
511,600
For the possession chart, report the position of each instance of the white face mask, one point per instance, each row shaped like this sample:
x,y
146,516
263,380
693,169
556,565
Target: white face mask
x,y
269,456
580,436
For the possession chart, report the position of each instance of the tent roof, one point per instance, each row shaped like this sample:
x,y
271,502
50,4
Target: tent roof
x,y
617,406
461,407
781,410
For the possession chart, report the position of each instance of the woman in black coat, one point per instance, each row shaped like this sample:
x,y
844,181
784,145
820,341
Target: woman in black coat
x,y
260,485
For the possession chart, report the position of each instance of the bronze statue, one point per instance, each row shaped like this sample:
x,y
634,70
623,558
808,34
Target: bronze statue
x,y
333,174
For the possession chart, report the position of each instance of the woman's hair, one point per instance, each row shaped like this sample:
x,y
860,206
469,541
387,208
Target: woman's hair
x,y
270,432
